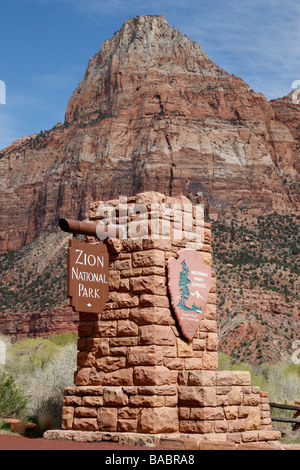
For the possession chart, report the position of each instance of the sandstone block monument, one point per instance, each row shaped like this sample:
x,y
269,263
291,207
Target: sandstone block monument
x,y
139,379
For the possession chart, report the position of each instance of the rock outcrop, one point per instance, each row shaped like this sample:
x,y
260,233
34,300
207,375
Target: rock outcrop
x,y
153,112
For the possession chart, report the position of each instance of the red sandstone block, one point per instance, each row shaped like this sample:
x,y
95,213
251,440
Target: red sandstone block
x,y
191,396
127,328
193,363
241,378
224,377
210,312
235,396
157,334
92,401
124,285
85,359
171,401
110,364
183,378
85,424
67,417
107,419
231,412
234,437
152,284
106,329
221,426
144,355
150,300
123,377
122,342
212,342
237,425
250,436
128,413
96,377
114,280
174,363
251,400
199,344
132,245
81,376
184,349
210,397
243,411
207,413
114,245
127,425
256,446
216,446
210,360
196,427
162,390
152,315
85,412
114,396
148,258
146,401
154,270
208,326
269,435
116,314
155,375
159,244
180,443
89,390
184,413
71,401
158,420
169,351
133,272
124,300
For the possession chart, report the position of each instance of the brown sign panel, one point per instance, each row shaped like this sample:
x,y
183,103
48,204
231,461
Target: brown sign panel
x,y
189,282
88,271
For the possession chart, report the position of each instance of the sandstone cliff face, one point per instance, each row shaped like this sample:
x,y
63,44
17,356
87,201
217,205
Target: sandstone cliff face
x,y
153,112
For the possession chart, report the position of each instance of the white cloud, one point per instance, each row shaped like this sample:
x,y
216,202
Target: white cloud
x,y
8,128
258,41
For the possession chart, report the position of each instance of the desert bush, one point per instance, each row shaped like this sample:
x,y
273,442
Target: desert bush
x,y
13,402
42,369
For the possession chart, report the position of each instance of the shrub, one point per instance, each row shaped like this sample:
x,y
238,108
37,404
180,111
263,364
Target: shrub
x,y
13,402
42,369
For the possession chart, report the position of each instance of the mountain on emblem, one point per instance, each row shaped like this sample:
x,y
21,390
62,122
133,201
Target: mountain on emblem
x,y
189,280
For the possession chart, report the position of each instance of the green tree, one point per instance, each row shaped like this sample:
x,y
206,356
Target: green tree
x,y
183,285
13,402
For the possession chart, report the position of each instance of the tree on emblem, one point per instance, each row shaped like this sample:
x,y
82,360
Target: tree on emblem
x,y
183,288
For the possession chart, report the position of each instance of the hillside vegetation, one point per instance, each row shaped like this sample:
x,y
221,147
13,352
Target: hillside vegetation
x,y
257,263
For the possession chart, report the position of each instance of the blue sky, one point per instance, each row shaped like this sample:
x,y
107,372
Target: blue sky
x,y
45,46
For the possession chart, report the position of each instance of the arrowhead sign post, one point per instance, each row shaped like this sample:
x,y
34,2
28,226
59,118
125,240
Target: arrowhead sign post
x,y
189,282
88,271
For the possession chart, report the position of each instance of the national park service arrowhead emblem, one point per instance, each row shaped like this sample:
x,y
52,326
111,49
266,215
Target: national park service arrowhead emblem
x,y
189,282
